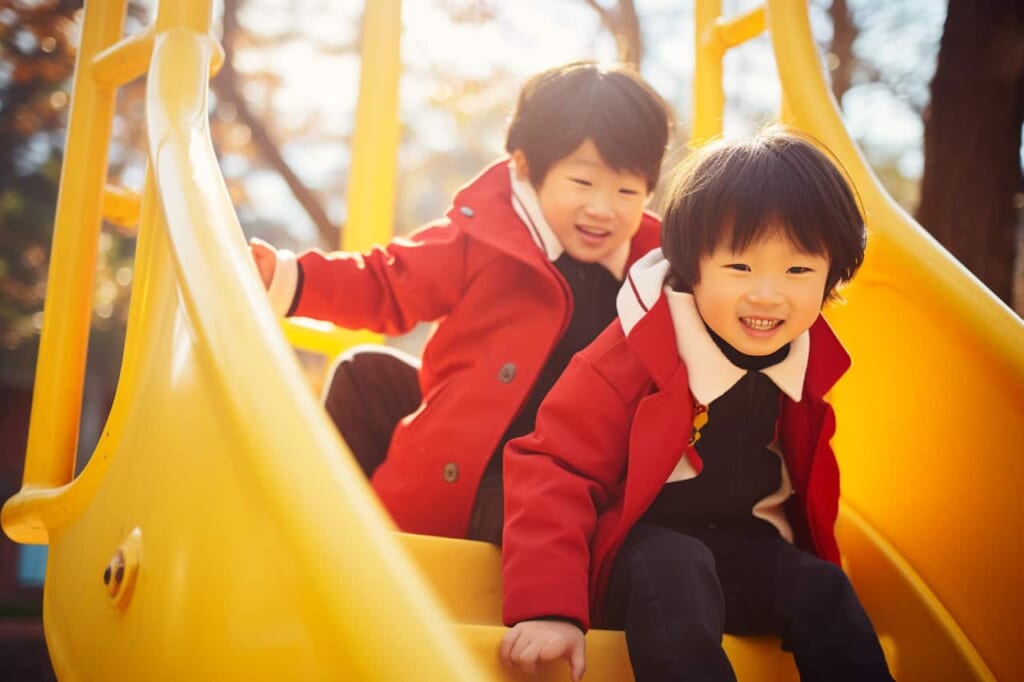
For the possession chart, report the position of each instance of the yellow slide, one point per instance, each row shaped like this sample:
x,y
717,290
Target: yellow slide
x,y
221,531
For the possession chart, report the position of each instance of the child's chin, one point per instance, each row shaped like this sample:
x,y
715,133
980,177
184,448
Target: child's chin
x,y
761,347
587,254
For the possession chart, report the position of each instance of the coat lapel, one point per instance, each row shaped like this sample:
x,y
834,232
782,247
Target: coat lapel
x,y
660,432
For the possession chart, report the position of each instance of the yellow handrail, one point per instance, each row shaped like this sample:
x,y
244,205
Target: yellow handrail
x,y
371,181
715,35
67,311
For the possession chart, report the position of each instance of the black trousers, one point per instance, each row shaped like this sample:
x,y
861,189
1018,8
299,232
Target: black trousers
x,y
370,390
676,594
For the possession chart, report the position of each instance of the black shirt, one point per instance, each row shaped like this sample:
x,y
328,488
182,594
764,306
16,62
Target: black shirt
x,y
739,470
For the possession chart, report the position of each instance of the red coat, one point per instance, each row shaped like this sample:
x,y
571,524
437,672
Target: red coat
x,y
607,437
501,308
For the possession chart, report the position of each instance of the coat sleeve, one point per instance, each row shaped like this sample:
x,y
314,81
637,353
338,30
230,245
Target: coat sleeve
x,y
558,480
390,288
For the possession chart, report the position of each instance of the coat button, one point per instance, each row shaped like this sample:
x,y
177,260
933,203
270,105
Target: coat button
x,y
507,373
451,472
467,211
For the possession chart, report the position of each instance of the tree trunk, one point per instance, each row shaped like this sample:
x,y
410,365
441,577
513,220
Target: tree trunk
x,y
844,32
624,25
972,137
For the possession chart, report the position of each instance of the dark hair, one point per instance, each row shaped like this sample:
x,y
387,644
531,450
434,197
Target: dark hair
x,y
741,189
559,109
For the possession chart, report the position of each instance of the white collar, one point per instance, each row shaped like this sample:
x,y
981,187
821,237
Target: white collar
x,y
527,207
711,374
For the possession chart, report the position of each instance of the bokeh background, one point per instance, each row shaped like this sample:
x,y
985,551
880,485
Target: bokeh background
x,y
932,91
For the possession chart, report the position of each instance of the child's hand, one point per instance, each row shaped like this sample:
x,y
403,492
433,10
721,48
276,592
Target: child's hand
x,y
265,257
532,641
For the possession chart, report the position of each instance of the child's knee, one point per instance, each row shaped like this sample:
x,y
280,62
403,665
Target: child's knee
x,y
681,559
820,585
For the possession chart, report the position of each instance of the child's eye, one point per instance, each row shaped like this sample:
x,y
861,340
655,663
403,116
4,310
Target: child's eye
x,y
739,267
799,270
628,191
581,181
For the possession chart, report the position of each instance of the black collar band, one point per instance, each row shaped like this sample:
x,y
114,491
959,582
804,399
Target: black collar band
x,y
748,362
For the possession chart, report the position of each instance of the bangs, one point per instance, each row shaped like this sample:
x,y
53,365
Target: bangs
x,y
765,203
624,128
626,119
734,193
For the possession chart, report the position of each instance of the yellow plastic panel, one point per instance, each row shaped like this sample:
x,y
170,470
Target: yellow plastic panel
x,y
467,576
754,659
920,638
260,552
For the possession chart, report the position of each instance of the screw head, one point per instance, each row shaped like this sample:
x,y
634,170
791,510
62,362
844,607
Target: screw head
x,y
113,574
122,570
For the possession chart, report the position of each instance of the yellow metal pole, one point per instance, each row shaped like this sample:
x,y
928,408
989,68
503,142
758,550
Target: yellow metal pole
x,y
733,32
194,14
708,93
371,186
60,367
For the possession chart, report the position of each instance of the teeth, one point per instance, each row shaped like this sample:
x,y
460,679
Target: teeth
x,y
759,324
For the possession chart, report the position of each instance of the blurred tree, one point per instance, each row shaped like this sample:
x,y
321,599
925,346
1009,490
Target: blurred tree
x,y
972,183
38,42
840,58
229,85
36,60
890,45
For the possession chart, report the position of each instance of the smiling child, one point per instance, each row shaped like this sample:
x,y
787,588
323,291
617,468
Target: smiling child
x,y
679,483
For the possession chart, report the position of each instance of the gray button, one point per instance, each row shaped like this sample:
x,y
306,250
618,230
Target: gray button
x,y
507,373
467,211
451,472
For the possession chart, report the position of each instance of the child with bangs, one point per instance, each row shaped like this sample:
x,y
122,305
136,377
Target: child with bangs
x,y
679,483
520,274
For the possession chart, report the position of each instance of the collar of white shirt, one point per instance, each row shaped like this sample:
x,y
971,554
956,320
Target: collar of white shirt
x,y
710,371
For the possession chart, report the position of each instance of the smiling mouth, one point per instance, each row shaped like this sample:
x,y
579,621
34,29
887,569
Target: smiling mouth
x,y
760,324
593,231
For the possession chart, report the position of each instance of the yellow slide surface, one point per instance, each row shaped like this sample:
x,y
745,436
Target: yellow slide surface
x,y
221,530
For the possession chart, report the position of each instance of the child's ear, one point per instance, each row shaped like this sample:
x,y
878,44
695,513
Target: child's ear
x,y
520,164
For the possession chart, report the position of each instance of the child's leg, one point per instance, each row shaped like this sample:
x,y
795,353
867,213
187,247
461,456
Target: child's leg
x,y
665,594
488,510
772,587
370,389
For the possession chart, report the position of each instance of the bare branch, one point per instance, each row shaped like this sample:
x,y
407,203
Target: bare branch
x,y
624,25
226,86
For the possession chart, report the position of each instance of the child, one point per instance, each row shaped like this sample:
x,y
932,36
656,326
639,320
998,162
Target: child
x,y
680,483
520,274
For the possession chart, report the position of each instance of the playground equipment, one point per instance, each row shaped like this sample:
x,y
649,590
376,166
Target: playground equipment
x,y
220,529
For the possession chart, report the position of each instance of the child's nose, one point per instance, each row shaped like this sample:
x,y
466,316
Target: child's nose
x,y
765,290
600,205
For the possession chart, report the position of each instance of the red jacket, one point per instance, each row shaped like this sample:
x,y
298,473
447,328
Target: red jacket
x,y
501,308
607,437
